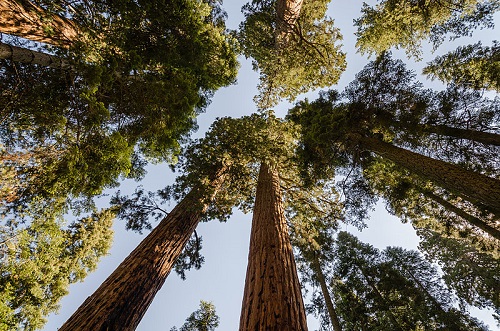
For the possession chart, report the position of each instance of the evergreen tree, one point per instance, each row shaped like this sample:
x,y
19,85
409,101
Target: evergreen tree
x,y
405,24
337,133
39,261
130,88
394,287
474,66
293,46
472,274
203,319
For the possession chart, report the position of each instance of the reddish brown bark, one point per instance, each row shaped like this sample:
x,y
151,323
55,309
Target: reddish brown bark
x,y
123,298
22,18
468,184
272,298
287,12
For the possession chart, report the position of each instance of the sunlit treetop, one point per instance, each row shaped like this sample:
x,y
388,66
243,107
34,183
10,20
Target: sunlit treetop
x,y
406,24
310,58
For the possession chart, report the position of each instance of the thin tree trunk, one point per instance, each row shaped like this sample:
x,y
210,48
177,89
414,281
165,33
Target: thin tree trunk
x,y
461,213
468,184
22,18
326,294
486,138
24,55
272,298
123,298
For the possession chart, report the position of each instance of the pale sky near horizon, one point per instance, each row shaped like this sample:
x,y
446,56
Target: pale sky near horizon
x,y
225,245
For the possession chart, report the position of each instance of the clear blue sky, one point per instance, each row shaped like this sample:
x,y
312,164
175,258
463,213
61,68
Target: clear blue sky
x,y
221,279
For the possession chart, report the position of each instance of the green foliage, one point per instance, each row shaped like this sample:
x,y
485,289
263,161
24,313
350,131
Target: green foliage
x,y
405,24
140,73
473,66
472,274
38,262
203,319
395,287
420,203
309,59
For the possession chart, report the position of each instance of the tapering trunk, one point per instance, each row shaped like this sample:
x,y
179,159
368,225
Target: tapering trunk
x,y
24,55
468,184
463,214
122,300
486,138
272,298
326,294
287,12
22,18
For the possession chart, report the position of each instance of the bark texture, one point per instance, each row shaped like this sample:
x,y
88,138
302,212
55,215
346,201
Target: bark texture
x,y
287,12
24,55
326,294
22,18
272,298
468,184
122,300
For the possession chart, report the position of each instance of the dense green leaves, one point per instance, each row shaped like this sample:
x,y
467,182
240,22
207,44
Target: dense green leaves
x,y
203,319
405,24
39,261
474,66
311,57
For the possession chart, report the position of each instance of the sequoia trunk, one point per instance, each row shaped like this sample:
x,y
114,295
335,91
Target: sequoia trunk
x,y
471,185
24,19
272,298
24,55
122,300
287,12
486,138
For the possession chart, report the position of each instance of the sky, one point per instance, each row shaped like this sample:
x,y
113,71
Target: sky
x,y
225,245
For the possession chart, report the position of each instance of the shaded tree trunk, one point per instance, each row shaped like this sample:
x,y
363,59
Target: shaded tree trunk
x,y
272,298
123,298
24,55
22,18
486,138
461,213
469,184
326,294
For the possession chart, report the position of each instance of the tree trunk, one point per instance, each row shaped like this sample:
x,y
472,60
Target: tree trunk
x,y
467,184
326,294
24,55
272,298
122,300
486,138
287,12
22,18
461,213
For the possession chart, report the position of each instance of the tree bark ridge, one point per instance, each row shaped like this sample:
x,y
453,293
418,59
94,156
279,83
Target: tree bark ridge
x,y
272,297
123,298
